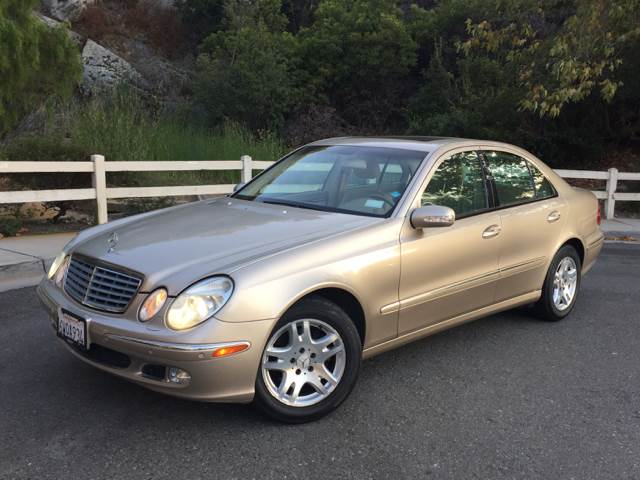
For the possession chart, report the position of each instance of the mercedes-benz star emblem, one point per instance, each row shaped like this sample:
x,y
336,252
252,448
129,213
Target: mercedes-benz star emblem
x,y
112,242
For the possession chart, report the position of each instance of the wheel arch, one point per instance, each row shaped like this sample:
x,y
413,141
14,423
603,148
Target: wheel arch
x,y
344,299
576,243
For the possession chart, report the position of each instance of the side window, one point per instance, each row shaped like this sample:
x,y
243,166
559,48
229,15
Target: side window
x,y
512,178
543,187
458,183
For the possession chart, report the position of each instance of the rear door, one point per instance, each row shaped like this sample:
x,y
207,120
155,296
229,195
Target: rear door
x,y
532,216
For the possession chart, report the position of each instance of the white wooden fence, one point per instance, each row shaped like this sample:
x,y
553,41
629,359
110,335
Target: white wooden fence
x,y
99,192
610,194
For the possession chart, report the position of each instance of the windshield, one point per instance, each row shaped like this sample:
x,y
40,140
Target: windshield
x,y
349,179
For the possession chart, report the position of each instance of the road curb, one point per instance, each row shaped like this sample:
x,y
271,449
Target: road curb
x,y
20,275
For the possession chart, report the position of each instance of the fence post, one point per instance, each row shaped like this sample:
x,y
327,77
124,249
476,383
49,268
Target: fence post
x,y
247,172
99,181
612,184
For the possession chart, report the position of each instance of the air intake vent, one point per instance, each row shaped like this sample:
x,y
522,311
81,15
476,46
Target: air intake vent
x,y
99,287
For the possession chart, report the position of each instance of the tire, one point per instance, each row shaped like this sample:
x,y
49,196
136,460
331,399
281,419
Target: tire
x,y
327,342
553,306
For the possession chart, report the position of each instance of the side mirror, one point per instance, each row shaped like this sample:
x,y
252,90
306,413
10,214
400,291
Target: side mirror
x,y
238,186
432,216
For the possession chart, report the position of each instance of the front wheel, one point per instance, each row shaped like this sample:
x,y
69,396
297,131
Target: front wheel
x,y
310,363
561,286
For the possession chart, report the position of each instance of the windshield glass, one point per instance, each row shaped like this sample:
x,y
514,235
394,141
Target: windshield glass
x,y
349,179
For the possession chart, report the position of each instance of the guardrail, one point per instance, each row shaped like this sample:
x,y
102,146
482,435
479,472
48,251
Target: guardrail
x,y
99,192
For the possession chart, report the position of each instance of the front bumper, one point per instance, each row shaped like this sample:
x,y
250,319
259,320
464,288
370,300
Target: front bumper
x,y
139,352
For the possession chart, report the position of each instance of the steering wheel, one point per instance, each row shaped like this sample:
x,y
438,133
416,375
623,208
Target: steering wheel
x,y
385,197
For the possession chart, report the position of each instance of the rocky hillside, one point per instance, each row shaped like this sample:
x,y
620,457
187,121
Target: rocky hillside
x,y
133,42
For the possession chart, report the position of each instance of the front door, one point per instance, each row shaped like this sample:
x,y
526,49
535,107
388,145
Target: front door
x,y
448,271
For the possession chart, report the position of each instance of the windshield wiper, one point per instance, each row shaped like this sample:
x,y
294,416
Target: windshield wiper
x,y
280,202
288,203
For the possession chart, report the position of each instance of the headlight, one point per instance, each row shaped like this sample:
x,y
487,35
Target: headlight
x,y
199,302
57,262
152,304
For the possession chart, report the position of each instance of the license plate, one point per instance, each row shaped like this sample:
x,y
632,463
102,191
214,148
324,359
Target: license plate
x,y
72,329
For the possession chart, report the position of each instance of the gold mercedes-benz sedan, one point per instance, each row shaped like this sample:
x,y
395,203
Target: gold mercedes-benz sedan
x,y
342,250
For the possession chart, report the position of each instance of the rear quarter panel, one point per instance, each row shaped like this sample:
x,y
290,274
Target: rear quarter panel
x,y
584,226
581,222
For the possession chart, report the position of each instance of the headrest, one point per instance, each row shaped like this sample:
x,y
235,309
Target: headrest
x,y
366,169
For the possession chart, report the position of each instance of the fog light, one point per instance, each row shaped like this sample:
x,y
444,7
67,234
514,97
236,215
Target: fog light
x,y
177,375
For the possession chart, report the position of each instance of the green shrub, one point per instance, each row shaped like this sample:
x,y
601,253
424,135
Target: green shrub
x,y
47,149
123,128
36,61
10,227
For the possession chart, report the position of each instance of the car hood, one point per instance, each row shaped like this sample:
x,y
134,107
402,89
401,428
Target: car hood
x,y
177,246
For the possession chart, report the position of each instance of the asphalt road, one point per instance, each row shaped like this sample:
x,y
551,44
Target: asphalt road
x,y
504,397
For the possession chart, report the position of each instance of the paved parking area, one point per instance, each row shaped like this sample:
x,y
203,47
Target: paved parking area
x,y
503,397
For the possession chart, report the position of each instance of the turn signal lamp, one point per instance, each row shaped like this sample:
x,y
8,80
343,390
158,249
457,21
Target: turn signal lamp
x,y
152,305
229,350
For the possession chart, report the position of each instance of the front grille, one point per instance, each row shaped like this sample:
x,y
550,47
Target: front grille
x,y
99,287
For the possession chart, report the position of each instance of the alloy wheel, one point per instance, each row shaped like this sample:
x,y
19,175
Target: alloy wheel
x,y
565,283
303,362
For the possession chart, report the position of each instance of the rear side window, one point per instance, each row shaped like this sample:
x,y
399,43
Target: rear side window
x,y
517,180
543,187
512,178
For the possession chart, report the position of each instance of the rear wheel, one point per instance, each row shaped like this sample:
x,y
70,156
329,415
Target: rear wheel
x,y
561,286
310,363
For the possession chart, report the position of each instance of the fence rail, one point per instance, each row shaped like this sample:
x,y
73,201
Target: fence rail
x,y
610,194
99,192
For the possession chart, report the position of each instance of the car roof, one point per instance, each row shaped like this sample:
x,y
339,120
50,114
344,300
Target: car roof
x,y
421,144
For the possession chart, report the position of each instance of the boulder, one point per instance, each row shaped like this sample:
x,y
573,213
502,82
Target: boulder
x,y
66,10
104,70
73,216
8,211
38,211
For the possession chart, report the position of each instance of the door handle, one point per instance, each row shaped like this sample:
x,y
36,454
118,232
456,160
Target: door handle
x,y
491,231
553,216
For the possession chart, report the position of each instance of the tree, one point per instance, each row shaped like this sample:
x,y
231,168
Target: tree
x,y
248,71
559,77
459,95
356,56
36,61
562,62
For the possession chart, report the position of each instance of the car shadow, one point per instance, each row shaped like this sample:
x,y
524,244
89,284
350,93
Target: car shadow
x,y
111,395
